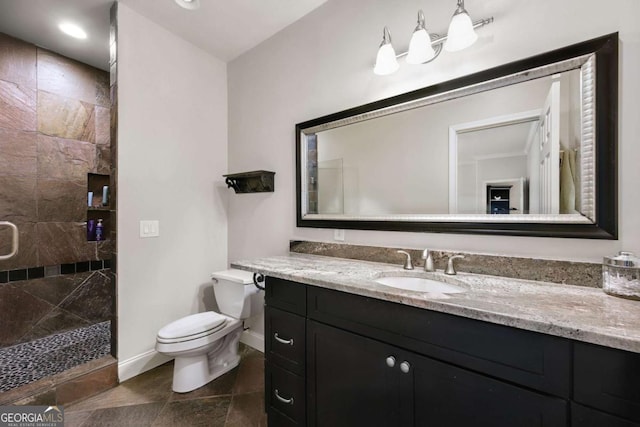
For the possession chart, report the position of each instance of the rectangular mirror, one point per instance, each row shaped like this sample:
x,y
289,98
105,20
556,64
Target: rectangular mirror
x,y
527,148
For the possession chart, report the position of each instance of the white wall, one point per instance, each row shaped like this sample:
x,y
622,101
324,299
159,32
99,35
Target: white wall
x,y
468,197
323,64
172,152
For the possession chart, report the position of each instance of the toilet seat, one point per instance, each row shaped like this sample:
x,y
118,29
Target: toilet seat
x,y
194,342
192,327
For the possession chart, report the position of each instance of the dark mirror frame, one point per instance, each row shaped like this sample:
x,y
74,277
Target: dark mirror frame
x,y
606,144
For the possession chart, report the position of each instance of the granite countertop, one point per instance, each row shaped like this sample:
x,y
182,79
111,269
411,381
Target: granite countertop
x,y
575,312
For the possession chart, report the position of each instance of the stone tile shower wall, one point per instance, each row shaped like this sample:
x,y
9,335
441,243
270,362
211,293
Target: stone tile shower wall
x,y
54,130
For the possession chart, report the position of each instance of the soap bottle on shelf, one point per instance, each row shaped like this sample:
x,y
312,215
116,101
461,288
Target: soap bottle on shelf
x,y
91,230
99,231
105,195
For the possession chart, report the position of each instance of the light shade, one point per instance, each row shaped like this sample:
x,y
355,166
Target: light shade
x,y
461,33
420,48
386,62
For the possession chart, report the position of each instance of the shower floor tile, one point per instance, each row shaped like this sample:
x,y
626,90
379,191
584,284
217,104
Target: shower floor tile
x,y
28,362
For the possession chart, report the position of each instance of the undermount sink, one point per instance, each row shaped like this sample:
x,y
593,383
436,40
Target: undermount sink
x,y
420,284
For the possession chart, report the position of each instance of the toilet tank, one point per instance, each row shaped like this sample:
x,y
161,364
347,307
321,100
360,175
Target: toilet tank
x,y
233,290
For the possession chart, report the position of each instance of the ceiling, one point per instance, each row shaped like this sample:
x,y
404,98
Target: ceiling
x,y
496,142
225,29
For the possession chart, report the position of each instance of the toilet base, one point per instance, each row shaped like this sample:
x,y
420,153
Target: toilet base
x,y
190,373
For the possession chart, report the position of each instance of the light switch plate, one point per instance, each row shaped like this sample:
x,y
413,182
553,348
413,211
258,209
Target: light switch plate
x,y
149,228
338,235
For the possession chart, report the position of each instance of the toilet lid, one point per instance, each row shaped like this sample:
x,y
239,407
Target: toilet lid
x,y
192,325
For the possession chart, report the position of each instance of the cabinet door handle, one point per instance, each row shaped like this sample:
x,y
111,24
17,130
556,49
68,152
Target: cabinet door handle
x,y
404,367
391,361
288,401
281,341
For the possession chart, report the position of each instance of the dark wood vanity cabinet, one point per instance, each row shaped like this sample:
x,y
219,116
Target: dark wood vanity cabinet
x,y
367,362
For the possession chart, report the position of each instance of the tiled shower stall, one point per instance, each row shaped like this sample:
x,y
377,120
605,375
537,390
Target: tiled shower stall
x,y
57,296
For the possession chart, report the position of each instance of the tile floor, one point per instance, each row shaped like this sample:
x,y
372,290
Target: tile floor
x,y
234,400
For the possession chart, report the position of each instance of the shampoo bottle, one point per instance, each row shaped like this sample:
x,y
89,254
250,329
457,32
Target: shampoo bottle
x,y
99,231
105,195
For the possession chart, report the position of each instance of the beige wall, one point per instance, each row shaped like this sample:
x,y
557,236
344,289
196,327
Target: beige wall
x,y
322,64
172,152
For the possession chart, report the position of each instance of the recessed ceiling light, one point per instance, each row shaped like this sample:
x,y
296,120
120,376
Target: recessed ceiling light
x,y
72,30
189,4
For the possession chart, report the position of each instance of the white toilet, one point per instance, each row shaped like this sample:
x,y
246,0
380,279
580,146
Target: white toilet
x,y
205,345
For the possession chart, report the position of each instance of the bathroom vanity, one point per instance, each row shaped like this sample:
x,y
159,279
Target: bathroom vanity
x,y
342,350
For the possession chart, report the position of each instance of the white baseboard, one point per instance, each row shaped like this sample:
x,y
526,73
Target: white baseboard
x,y
253,339
136,365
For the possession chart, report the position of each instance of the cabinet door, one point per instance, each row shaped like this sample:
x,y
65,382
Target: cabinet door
x,y
607,379
349,382
445,395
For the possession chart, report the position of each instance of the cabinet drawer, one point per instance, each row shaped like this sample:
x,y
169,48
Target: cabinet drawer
x,y
285,395
607,379
586,417
286,295
538,361
285,339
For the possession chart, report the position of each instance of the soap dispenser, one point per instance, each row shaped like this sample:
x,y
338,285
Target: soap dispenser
x,y
99,231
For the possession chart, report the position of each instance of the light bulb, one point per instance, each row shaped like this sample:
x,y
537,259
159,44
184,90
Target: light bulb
x,y
72,30
188,4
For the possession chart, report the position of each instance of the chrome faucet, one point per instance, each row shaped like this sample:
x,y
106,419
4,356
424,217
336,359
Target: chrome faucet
x,y
450,268
408,265
428,260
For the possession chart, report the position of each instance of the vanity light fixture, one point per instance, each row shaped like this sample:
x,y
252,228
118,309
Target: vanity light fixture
x,y
424,46
72,30
189,4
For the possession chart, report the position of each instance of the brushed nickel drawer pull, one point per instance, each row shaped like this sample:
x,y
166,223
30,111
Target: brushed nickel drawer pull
x,y
283,400
281,341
